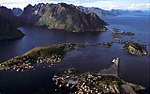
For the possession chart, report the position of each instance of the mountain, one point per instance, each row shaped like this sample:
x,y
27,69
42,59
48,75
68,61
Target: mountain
x,y
129,12
100,12
6,13
62,16
9,16
114,12
8,31
17,11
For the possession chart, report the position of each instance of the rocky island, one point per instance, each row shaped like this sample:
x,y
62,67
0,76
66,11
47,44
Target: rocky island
x,y
129,46
107,44
45,54
117,34
62,16
118,31
135,48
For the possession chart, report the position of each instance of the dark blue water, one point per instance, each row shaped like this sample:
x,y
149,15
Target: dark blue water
x,y
132,68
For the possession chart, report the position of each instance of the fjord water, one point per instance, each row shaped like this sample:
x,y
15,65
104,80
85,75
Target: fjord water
x,y
133,69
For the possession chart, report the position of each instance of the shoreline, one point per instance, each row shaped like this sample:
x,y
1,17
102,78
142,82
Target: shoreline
x,y
94,82
51,54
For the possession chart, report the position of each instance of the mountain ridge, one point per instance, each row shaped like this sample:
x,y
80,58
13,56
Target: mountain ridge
x,y
113,12
62,16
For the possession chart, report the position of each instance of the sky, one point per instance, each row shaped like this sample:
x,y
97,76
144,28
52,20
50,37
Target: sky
x,y
104,4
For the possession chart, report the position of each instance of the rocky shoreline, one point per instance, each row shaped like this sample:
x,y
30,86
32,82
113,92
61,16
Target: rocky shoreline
x,y
131,47
55,53
118,31
45,54
135,48
93,83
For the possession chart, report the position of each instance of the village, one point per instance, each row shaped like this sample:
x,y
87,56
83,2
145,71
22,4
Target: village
x,y
106,81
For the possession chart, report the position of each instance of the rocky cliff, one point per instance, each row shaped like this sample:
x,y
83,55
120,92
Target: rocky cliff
x,y
8,31
62,16
9,16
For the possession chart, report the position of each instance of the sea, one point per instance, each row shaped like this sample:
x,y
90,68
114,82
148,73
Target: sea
x,y
134,69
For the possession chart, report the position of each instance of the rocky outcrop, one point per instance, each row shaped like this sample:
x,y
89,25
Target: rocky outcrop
x,y
62,16
17,11
107,44
135,48
8,31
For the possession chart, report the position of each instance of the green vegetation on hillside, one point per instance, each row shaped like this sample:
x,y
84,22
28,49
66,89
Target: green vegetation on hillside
x,y
43,54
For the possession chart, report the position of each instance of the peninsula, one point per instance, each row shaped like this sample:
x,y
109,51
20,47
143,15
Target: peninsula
x,y
45,54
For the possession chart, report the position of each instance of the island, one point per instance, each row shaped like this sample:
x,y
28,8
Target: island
x,y
118,31
51,54
135,48
107,44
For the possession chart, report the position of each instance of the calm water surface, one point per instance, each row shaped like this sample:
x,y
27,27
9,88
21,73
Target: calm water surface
x,y
132,68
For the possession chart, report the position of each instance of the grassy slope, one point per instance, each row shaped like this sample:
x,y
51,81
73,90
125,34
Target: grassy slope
x,y
42,51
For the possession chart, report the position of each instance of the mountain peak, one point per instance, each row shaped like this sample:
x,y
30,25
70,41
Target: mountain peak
x,y
62,16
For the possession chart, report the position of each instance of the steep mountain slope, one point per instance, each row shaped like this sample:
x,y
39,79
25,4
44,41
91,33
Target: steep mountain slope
x,y
8,31
8,15
62,16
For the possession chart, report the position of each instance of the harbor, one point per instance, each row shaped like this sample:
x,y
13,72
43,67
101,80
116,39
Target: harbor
x,y
105,81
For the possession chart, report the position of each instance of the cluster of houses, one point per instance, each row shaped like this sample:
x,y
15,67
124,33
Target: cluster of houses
x,y
106,81
27,63
87,83
51,60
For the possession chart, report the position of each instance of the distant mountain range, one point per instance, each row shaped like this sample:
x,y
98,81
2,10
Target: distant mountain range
x,y
114,12
55,16
100,12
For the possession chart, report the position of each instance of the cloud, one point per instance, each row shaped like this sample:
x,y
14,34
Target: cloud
x,y
23,3
17,2
105,4
139,6
34,1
